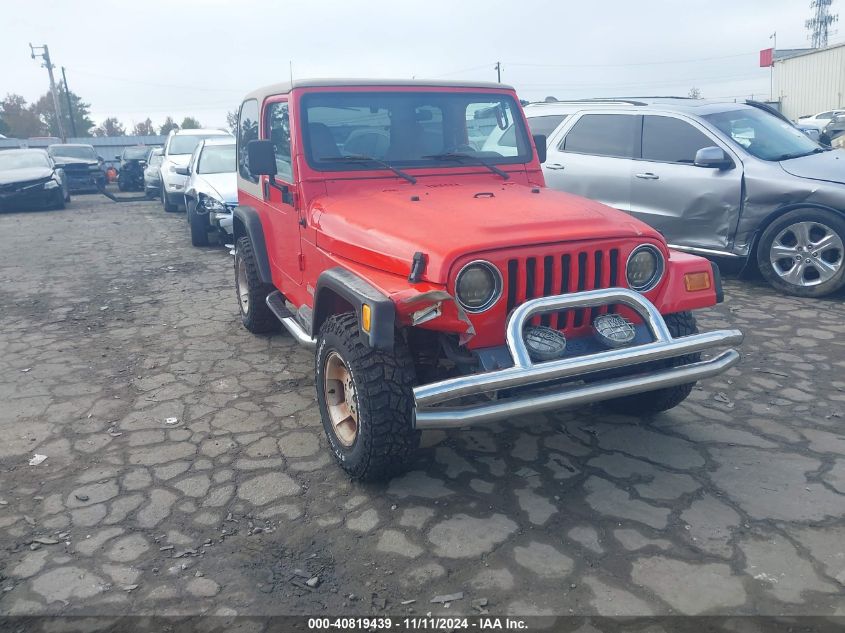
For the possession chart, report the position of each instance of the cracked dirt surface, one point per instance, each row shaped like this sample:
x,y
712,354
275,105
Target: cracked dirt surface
x,y
113,325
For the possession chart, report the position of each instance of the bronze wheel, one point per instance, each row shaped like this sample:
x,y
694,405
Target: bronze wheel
x,y
341,399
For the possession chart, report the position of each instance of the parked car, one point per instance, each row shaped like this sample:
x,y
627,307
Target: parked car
x,y
133,162
178,149
443,286
820,120
30,179
833,130
152,174
80,164
718,179
211,192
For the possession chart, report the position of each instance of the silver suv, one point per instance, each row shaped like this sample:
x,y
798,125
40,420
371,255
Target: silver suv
x,y
718,179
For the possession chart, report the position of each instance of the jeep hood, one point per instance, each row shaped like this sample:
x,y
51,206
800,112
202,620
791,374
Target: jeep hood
x,y
827,166
385,228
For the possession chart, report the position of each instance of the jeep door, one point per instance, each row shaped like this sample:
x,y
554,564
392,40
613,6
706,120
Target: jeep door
x,y
593,155
691,206
281,209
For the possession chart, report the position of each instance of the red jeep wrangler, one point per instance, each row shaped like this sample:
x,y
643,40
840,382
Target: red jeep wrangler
x,y
403,230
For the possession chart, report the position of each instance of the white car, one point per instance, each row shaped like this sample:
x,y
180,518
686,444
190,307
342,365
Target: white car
x,y
211,191
177,152
818,121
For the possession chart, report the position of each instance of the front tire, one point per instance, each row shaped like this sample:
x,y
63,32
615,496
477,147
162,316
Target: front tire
x,y
165,202
251,292
366,401
198,224
679,324
802,253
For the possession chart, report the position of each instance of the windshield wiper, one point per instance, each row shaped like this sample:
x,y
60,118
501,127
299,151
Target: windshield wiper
x,y
461,156
362,158
817,150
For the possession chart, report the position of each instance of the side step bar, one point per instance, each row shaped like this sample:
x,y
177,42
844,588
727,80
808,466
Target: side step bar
x,y
277,306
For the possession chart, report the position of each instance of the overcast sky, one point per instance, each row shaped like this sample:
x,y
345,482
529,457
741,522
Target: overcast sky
x,y
198,57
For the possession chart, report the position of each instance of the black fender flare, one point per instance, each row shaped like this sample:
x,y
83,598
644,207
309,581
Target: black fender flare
x,y
247,222
356,291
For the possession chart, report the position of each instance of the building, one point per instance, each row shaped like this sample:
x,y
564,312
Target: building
x,y
105,146
810,81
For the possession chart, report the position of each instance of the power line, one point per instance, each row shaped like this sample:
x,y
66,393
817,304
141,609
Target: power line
x,y
819,24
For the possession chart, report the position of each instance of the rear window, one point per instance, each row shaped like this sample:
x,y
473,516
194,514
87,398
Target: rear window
x,y
547,124
604,135
187,143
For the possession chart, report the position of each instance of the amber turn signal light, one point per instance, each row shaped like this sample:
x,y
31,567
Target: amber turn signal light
x,y
697,281
367,317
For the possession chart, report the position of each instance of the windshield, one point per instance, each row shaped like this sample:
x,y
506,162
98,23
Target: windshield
x,y
763,135
135,153
155,160
187,143
217,159
412,129
22,160
84,152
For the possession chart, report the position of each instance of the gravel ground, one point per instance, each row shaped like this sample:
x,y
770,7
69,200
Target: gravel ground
x,y
187,471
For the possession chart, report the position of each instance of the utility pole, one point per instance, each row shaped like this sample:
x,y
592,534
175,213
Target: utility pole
x,y
69,106
498,68
774,37
45,55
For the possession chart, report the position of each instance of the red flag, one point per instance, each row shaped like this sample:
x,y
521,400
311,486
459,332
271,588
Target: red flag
x,y
767,57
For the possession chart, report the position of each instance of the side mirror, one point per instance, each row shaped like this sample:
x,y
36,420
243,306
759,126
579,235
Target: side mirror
x,y
117,156
261,158
183,171
713,158
540,144
100,159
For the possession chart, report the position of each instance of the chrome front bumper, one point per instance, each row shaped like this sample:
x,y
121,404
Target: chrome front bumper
x,y
526,373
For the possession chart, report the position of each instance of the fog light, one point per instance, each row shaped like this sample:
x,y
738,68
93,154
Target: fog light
x,y
614,330
544,343
697,281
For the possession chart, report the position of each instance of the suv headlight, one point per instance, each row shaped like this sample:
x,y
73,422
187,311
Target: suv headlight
x,y
478,286
645,268
51,184
209,203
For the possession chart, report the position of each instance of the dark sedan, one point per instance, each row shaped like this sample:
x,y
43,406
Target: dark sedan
x,y
81,165
30,179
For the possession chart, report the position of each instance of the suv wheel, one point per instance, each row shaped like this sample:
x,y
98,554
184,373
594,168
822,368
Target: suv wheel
x,y
198,224
679,324
165,202
255,315
802,252
366,401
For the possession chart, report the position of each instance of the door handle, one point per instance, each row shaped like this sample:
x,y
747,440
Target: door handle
x,y
555,166
648,176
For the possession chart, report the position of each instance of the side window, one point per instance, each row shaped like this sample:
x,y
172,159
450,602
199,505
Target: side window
x,y
547,124
825,115
278,131
671,140
247,131
604,135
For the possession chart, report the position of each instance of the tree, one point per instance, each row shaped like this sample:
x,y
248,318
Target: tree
x,y
46,113
190,123
694,93
168,125
110,127
19,118
232,121
144,128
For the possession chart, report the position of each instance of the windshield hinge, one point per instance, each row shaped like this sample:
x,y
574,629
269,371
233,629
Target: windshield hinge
x,y
417,267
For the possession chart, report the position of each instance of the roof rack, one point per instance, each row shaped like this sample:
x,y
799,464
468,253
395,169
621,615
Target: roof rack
x,y
595,100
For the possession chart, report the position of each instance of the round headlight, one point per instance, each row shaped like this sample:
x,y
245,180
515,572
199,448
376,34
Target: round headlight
x,y
478,286
645,268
